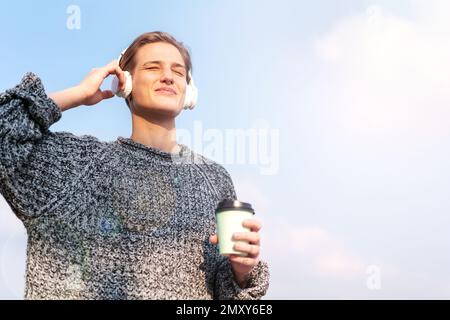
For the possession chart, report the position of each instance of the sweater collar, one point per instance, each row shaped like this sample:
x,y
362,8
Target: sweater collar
x,y
142,149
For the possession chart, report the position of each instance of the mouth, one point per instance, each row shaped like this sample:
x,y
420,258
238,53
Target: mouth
x,y
166,91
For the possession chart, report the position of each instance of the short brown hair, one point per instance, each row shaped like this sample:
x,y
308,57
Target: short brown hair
x,y
127,62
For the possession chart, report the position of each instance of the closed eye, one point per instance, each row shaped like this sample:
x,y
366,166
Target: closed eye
x,y
181,74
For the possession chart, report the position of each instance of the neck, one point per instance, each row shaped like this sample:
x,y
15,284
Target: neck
x,y
155,132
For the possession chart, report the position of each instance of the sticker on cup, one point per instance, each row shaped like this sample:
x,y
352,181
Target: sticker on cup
x,y
230,213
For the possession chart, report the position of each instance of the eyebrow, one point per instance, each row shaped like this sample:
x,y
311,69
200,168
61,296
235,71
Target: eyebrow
x,y
175,64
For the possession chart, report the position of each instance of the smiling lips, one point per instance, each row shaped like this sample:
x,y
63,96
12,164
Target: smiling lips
x,y
166,90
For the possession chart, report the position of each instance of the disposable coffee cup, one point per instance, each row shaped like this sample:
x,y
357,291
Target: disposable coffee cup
x,y
230,214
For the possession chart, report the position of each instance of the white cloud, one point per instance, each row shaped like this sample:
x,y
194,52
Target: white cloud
x,y
375,112
12,266
308,262
328,256
433,15
314,246
339,263
12,253
10,224
388,74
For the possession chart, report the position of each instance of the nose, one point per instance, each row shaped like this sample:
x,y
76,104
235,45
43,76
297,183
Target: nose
x,y
166,76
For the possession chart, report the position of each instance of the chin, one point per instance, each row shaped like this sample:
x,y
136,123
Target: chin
x,y
163,109
165,102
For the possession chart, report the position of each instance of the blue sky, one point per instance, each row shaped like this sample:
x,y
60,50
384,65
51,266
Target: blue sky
x,y
357,90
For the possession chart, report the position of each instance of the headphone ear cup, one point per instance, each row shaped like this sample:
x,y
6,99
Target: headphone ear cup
x,y
188,97
194,96
191,96
128,86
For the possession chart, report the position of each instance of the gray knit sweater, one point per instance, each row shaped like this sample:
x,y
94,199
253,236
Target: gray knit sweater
x,y
112,220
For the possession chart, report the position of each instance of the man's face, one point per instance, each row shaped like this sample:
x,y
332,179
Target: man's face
x,y
159,80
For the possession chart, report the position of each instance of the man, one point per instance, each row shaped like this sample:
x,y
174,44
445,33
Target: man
x,y
129,219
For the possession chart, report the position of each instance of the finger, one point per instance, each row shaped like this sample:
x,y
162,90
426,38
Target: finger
x,y
251,237
105,69
121,75
251,250
112,64
250,262
253,224
214,239
110,68
107,94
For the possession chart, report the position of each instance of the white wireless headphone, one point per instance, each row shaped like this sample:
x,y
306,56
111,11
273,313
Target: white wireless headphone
x,y
190,99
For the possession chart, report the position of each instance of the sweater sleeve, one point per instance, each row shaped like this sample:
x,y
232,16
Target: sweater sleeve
x,y
37,166
225,287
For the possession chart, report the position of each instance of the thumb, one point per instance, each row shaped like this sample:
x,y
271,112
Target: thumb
x,y
214,239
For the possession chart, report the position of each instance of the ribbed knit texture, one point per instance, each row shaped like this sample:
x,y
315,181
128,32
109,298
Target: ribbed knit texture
x,y
112,220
